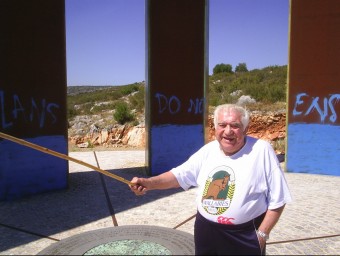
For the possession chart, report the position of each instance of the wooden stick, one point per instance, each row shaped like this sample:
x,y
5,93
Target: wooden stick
x,y
66,157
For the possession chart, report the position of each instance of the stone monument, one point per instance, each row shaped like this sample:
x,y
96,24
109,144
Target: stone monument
x,y
32,96
176,82
125,240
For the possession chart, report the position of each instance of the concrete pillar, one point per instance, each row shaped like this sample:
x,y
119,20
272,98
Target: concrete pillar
x,y
32,96
176,80
314,87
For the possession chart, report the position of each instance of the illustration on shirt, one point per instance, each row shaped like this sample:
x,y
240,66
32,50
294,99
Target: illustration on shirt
x,y
218,190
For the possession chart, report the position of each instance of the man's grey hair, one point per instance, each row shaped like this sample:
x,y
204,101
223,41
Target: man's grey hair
x,y
245,116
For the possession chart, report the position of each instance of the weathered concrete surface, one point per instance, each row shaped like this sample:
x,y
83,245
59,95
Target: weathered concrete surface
x,y
309,225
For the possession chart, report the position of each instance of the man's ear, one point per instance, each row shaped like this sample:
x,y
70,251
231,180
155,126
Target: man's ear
x,y
246,130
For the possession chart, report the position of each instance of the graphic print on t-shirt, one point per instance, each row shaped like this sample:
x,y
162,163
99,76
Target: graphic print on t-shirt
x,y
218,190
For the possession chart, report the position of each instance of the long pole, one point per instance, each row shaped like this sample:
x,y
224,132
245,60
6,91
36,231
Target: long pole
x,y
63,156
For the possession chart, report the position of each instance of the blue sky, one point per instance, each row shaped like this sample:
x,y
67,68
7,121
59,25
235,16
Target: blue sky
x,y
105,39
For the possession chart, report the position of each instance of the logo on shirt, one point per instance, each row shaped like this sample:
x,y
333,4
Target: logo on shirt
x,y
218,190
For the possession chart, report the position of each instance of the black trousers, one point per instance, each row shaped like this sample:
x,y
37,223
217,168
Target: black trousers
x,y
218,239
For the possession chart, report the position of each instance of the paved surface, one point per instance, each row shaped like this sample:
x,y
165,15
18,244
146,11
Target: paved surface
x,y
309,225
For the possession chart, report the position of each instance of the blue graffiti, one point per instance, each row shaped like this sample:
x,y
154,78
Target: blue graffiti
x,y
35,112
327,104
197,106
173,104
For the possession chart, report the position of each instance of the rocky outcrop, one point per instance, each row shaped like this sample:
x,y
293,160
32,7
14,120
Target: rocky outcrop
x,y
268,126
119,136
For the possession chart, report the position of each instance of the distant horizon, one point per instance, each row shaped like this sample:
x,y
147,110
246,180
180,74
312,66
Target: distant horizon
x,y
144,80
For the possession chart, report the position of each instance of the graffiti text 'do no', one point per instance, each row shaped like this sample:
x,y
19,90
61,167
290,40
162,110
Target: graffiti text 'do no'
x,y
173,104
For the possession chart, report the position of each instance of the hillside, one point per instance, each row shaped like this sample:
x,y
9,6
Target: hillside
x,y
93,119
75,90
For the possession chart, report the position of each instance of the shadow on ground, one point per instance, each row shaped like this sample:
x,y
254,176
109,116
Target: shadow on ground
x,y
90,197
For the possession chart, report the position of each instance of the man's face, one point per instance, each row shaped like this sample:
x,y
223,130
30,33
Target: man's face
x,y
230,132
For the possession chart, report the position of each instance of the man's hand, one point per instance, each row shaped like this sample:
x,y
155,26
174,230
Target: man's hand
x,y
138,188
162,181
262,242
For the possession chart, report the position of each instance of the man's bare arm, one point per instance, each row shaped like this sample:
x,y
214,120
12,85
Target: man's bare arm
x,y
269,221
165,180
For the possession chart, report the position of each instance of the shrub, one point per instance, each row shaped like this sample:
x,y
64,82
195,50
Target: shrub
x,y
122,113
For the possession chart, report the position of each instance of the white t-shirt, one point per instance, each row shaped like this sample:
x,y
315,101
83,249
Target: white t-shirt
x,y
235,189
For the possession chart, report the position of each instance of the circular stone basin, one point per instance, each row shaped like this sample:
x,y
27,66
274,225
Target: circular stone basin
x,y
129,247
125,240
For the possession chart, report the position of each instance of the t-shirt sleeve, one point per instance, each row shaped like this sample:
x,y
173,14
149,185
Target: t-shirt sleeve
x,y
187,173
278,191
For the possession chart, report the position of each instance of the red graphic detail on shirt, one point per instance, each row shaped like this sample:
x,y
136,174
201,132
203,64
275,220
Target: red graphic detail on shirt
x,y
225,220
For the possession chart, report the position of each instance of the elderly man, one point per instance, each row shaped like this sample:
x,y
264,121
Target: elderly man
x,y
241,187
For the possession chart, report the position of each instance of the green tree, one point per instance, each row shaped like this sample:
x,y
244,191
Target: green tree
x,y
241,67
222,68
